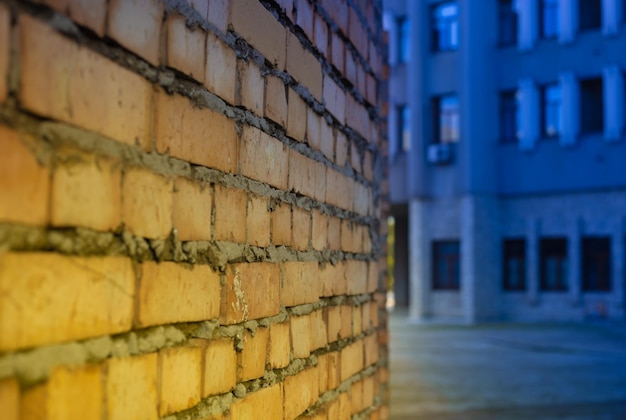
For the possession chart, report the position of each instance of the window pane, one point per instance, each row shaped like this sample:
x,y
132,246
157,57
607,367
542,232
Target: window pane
x,y
514,264
445,27
509,116
446,265
553,264
551,110
447,119
590,14
596,264
508,23
591,106
549,18
404,32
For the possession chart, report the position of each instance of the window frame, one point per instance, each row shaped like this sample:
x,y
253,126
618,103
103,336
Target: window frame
x,y
441,115
514,249
508,21
589,257
444,31
451,260
548,9
548,249
509,111
547,106
404,40
586,9
403,127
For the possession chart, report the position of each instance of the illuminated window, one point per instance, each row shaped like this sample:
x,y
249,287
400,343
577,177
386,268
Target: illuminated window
x,y
551,119
446,119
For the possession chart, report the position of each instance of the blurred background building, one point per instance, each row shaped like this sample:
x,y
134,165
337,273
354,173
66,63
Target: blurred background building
x,y
508,158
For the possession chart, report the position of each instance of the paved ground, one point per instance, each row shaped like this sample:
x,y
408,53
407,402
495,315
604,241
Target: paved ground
x,y
507,371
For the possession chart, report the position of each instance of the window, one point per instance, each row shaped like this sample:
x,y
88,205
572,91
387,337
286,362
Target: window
x,y
591,106
551,120
549,12
445,27
446,119
507,34
509,116
596,264
553,264
404,128
446,265
404,33
514,264
589,14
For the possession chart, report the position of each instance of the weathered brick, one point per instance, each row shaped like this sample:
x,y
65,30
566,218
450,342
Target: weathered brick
x,y
251,364
337,52
335,99
319,229
319,337
5,34
252,291
58,5
279,345
230,214
327,140
361,196
368,166
259,28
356,397
220,367
265,403
304,18
357,275
303,66
334,369
251,87
341,149
185,47
320,32
24,183
350,237
147,203
181,377
350,66
313,129
332,315
202,7
131,387
333,280
301,391
221,66
322,371
181,131
351,360
218,13
296,116
89,13
345,318
50,298
357,117
169,292
300,228
357,320
287,7
371,89
86,192
136,25
372,277
300,283
368,391
306,176
258,221
191,210
334,233
275,100
263,158
281,224
89,91
10,398
345,406
338,191
371,345
300,336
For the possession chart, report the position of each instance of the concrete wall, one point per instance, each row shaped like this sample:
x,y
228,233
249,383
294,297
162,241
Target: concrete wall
x,y
190,196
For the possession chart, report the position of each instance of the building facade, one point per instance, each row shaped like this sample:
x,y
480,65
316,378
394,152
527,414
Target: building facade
x,y
507,158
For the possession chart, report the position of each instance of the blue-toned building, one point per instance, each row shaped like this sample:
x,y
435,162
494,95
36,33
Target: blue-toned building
x,y
508,158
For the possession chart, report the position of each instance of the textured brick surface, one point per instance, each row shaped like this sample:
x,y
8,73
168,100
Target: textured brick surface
x,y
191,210
5,29
279,345
180,378
251,292
301,391
10,398
131,387
267,402
220,367
230,211
263,158
136,25
221,65
253,356
185,47
50,298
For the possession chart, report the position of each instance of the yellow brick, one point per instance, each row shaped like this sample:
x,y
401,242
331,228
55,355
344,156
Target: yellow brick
x,y
357,275
185,47
33,403
89,13
136,24
275,100
357,325
351,360
334,370
296,116
319,337
5,32
281,224
265,403
300,228
73,84
132,388
169,292
230,214
24,183
147,203
87,194
368,391
181,377
191,210
371,346
322,371
253,356
251,292
258,221
319,238
220,367
345,406
300,283
50,298
279,345
252,87
334,233
263,158
301,392
356,397
301,336
304,67
346,321
221,68
10,399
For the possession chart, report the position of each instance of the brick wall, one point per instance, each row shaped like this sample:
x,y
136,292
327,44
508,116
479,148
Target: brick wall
x,y
190,206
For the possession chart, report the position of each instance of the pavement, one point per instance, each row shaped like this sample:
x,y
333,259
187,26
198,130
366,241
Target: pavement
x,y
507,371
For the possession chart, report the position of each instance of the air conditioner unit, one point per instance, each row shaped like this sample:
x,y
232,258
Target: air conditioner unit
x,y
440,153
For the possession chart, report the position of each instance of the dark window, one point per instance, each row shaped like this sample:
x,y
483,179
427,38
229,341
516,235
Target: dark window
x,y
509,116
549,12
589,14
596,264
591,106
404,128
514,264
507,35
446,265
446,119
551,120
404,32
445,26
553,264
